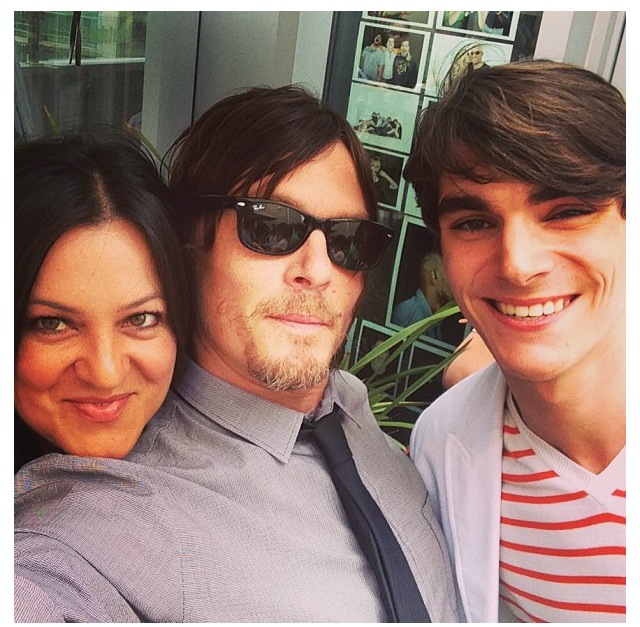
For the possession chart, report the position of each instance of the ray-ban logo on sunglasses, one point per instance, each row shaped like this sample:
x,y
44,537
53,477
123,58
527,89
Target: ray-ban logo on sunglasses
x,y
254,206
274,228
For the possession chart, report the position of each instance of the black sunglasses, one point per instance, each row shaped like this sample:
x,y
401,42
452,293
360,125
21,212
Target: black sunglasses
x,y
274,228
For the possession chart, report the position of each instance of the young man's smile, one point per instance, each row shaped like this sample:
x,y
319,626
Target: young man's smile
x,y
529,268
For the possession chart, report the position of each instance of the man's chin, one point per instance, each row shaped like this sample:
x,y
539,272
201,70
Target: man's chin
x,y
299,368
283,377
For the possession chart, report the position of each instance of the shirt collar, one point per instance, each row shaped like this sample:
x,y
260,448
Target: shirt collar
x,y
272,427
423,302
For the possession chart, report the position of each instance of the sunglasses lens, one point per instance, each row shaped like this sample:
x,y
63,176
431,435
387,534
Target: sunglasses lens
x,y
271,228
357,244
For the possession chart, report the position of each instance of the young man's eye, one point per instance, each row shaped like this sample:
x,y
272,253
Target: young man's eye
x,y
566,213
470,224
48,324
144,320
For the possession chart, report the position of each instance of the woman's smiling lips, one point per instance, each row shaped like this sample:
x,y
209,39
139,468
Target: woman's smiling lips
x,y
101,409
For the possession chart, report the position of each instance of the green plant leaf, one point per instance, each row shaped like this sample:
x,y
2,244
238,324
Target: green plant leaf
x,y
396,423
53,123
380,388
404,338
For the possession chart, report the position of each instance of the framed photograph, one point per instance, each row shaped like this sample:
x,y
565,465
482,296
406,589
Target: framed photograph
x,y
383,117
414,242
495,24
390,57
398,18
374,303
452,55
371,335
419,286
386,168
411,207
425,354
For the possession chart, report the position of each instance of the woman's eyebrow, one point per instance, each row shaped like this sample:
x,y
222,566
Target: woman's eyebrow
x,y
53,304
139,302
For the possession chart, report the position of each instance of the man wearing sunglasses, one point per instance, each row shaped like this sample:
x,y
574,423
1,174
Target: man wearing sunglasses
x,y
520,170
282,229
238,517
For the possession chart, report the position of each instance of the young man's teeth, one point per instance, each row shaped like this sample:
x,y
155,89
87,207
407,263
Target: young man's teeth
x,y
532,311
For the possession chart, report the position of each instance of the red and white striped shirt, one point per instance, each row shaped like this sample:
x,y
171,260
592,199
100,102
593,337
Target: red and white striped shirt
x,y
562,533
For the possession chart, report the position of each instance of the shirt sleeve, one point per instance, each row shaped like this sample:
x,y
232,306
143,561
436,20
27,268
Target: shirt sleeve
x,y
53,584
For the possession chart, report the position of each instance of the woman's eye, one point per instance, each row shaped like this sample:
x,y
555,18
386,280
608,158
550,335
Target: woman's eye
x,y
144,320
49,325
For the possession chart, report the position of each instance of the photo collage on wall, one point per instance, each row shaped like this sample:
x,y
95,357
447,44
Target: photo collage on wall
x,y
401,60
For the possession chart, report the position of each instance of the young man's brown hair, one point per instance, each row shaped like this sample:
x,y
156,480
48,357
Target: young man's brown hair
x,y
528,121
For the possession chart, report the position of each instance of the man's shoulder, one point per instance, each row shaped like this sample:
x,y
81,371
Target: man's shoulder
x,y
68,470
60,484
84,528
82,502
471,411
352,396
481,393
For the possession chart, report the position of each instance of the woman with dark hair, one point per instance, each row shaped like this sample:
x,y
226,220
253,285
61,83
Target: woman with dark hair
x,y
99,295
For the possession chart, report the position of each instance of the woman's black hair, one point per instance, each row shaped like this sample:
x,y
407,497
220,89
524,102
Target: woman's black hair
x,y
88,179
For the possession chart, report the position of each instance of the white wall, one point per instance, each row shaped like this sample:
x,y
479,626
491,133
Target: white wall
x,y
591,39
312,49
169,75
619,78
240,49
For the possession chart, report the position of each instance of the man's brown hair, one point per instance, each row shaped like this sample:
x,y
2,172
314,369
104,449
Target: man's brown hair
x,y
262,133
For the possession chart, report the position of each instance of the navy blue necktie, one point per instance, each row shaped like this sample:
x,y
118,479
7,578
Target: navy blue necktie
x,y
399,591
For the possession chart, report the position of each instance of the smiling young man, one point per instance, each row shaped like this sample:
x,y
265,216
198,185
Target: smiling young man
x,y
521,170
226,510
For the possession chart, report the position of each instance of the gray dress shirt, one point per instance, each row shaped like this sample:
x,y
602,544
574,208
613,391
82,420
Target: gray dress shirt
x,y
219,515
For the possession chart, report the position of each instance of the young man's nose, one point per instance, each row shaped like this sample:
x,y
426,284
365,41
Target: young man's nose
x,y
523,255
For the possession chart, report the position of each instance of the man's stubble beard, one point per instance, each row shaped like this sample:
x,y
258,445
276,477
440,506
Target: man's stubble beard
x,y
301,369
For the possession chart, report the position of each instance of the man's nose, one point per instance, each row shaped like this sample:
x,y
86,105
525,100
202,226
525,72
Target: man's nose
x,y
523,254
310,264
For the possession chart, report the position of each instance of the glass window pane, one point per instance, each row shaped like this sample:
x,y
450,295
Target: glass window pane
x,y
75,70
